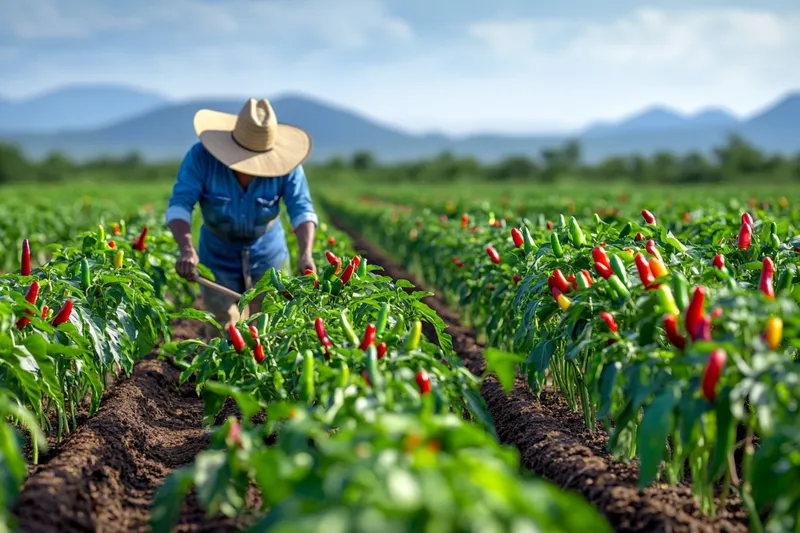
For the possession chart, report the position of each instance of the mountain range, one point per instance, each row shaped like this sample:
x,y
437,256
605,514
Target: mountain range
x,y
105,120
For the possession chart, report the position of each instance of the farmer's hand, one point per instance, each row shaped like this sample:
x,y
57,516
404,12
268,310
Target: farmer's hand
x,y
306,262
186,266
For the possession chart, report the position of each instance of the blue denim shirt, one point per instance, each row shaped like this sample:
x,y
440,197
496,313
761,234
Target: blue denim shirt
x,y
236,219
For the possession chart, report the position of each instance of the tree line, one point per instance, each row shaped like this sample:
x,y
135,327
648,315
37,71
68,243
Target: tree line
x,y
737,160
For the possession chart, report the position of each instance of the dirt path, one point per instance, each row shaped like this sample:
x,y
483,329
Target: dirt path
x,y
105,474
554,443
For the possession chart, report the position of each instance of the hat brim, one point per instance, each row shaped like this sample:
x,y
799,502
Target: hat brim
x,y
292,146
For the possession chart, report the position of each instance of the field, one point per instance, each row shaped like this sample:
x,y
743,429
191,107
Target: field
x,y
482,357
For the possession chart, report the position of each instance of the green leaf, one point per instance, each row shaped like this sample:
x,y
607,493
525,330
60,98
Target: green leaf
x,y
651,437
504,364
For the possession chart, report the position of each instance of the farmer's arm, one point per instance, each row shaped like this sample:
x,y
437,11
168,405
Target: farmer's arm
x,y
185,194
304,219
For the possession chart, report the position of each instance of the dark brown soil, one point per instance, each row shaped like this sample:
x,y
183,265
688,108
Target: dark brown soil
x,y
105,474
555,444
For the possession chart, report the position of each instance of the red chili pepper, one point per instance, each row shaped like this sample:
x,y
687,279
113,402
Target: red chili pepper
x,y
604,271
549,225
555,291
423,381
464,221
648,217
645,274
139,242
702,330
25,260
331,241
767,273
716,313
63,313
30,297
516,235
44,311
348,273
309,272
493,254
458,262
673,335
258,352
515,278
236,338
319,326
560,281
687,217
694,313
603,244
712,372
116,230
365,375
745,234
587,276
609,319
112,244
572,281
599,256
331,257
650,246
747,219
369,337
356,260
718,261
639,236
381,350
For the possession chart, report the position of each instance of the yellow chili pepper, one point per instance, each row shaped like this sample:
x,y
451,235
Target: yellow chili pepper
x,y
118,258
563,302
657,267
773,333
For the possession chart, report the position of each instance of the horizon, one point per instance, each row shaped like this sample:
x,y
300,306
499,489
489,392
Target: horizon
x,y
168,101
518,68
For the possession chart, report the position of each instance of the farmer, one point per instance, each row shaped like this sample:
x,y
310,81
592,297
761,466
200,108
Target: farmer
x,y
238,172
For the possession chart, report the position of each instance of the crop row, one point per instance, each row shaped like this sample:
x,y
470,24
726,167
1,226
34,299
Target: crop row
x,y
375,429
678,332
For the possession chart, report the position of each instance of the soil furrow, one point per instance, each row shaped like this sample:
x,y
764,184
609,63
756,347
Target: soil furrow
x,y
555,444
106,473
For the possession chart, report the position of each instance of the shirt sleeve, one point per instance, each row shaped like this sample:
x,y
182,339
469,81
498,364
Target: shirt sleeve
x,y
187,188
297,198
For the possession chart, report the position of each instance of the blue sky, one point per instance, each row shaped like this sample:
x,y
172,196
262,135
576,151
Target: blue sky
x,y
443,65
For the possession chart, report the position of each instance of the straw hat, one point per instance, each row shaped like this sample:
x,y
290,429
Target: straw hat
x,y
253,141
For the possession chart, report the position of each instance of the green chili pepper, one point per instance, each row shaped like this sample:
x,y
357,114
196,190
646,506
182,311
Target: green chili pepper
x,y
326,286
276,282
398,325
618,286
380,323
618,267
666,300
261,324
375,376
84,274
681,290
625,231
102,232
785,282
329,272
348,330
530,246
362,268
344,375
773,228
562,222
558,251
774,240
412,341
277,381
336,286
583,283
575,233
307,378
